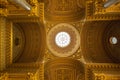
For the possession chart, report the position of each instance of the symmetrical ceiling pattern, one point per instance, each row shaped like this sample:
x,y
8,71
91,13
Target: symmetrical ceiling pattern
x,y
59,40
74,40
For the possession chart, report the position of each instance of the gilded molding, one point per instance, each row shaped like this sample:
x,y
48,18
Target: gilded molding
x,y
32,2
57,10
2,43
64,68
3,3
102,71
48,53
113,9
107,76
38,11
24,19
35,14
37,64
3,76
96,11
9,42
3,12
70,49
29,71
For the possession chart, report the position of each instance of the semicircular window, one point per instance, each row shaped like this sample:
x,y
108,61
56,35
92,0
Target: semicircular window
x,y
113,40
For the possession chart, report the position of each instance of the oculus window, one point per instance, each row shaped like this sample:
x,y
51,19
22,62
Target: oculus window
x,y
62,39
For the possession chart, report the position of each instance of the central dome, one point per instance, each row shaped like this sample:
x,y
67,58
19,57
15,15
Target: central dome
x,y
62,39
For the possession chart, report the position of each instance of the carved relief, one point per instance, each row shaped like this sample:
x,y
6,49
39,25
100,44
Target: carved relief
x,y
99,77
102,71
63,10
21,71
64,69
3,4
3,12
60,15
9,38
34,15
4,42
3,76
64,74
48,54
96,11
113,9
65,5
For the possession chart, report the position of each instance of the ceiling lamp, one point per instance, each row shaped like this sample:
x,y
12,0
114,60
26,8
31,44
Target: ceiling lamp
x,y
110,2
22,3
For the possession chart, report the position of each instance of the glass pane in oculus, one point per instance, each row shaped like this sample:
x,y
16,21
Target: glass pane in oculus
x,y
62,39
113,40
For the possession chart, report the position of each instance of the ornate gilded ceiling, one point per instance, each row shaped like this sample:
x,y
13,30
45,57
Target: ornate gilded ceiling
x,y
64,10
59,40
64,69
74,42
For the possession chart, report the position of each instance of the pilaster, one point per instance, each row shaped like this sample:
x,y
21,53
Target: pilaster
x,y
2,42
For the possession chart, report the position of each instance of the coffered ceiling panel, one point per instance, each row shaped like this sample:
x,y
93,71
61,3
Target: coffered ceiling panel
x,y
64,69
111,41
100,41
64,10
34,43
91,41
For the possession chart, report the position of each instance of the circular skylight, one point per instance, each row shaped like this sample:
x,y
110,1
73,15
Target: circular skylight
x,y
113,40
62,39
